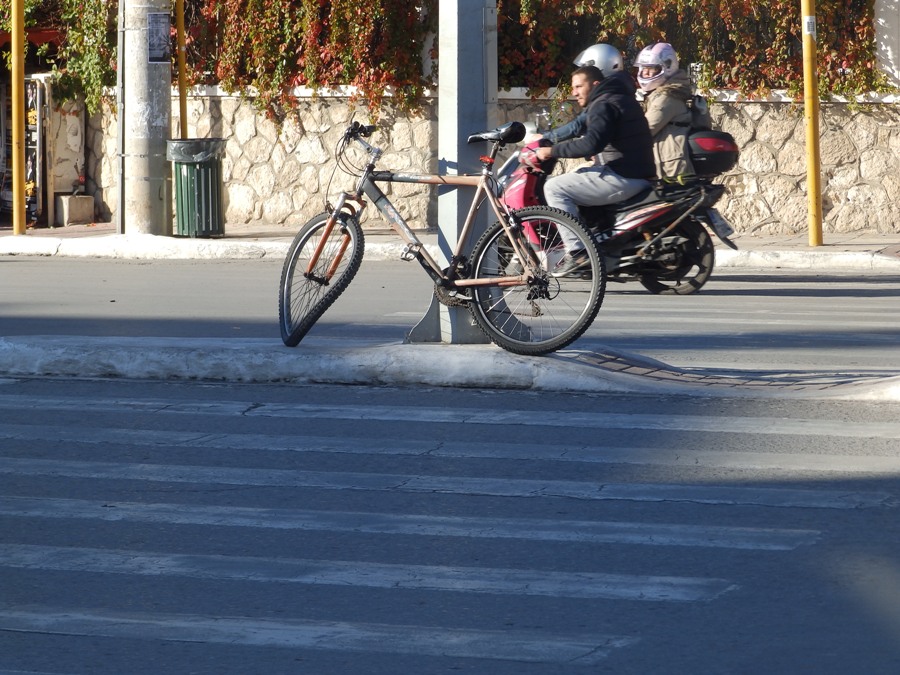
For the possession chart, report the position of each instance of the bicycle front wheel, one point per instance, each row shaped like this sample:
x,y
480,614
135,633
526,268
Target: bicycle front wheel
x,y
548,311
321,262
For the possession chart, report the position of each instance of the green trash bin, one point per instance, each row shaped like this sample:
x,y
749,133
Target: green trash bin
x,y
199,199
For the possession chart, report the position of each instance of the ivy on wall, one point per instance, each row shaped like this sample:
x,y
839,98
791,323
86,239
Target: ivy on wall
x,y
378,47
85,62
752,46
34,11
381,47
89,50
31,9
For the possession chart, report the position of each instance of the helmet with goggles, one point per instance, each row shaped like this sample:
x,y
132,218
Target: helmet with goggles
x,y
655,64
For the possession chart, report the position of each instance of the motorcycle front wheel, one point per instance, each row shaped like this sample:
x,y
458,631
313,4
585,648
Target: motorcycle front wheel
x,y
685,266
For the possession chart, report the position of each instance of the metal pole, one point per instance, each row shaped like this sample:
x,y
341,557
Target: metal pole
x,y
182,77
811,114
18,115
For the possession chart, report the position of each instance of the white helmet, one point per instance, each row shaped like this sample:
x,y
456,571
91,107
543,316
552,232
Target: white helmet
x,y
603,56
655,64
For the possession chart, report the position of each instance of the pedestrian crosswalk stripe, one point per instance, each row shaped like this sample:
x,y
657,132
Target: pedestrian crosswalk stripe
x,y
512,645
460,485
533,529
414,414
358,573
781,462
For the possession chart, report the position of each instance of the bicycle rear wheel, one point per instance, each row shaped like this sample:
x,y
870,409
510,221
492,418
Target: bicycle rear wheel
x,y
308,290
546,313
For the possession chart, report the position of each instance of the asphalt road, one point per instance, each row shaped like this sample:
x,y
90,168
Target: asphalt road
x,y
769,320
151,527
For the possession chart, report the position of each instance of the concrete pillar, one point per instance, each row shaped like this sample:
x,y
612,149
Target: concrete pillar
x,y
145,58
467,104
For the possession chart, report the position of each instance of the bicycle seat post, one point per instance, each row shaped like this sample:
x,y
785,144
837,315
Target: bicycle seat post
x,y
495,148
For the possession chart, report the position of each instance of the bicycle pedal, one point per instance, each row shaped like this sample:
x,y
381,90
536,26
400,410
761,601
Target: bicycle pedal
x,y
410,252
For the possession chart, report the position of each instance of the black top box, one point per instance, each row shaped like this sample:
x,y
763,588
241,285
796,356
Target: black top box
x,y
712,152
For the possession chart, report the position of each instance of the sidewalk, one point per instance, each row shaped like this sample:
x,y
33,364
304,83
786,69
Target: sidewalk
x,y
401,364
857,250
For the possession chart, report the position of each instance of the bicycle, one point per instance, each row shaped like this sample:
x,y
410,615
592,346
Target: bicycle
x,y
507,283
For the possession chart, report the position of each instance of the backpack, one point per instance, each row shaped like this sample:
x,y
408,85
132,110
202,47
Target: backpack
x,y
701,120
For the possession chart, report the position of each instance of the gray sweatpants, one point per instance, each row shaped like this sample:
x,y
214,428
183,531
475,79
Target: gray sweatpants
x,y
588,186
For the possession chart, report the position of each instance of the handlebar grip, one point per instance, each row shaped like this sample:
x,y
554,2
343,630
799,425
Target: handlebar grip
x,y
364,130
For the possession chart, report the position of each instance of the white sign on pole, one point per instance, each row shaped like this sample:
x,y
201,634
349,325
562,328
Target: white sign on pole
x,y
809,26
159,47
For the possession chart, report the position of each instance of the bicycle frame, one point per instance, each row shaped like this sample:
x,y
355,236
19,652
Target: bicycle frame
x,y
353,204
528,298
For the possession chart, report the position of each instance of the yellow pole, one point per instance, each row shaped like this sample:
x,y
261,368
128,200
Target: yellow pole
x,y
182,77
18,115
811,114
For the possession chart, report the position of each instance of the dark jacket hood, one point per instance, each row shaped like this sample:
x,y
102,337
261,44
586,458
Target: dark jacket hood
x,y
619,82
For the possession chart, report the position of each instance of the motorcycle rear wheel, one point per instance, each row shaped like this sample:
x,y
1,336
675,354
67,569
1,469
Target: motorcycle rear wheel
x,y
692,268
548,312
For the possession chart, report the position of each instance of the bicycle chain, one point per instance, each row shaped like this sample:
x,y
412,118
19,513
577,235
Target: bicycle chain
x,y
450,297
454,297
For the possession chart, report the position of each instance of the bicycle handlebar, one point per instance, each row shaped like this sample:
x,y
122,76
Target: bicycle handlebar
x,y
356,129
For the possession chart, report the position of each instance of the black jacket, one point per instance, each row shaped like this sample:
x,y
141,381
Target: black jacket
x,y
616,130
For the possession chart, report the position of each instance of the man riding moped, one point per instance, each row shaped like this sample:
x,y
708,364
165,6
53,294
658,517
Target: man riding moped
x,y
616,137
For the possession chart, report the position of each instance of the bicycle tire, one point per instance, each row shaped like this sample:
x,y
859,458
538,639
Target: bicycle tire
x,y
692,267
303,297
547,313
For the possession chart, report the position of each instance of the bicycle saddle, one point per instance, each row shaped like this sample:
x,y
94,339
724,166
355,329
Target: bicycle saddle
x,y
511,132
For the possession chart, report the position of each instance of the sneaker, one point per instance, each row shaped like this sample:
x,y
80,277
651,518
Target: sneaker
x,y
572,263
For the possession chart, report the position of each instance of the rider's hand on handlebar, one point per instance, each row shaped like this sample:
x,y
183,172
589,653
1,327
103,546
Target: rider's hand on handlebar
x,y
528,157
533,157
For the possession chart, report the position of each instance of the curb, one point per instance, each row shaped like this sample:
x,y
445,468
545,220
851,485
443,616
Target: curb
x,y
142,247
378,247
335,361
829,260
242,360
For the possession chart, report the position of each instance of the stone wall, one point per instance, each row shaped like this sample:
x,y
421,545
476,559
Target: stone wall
x,y
859,151
860,167
282,175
